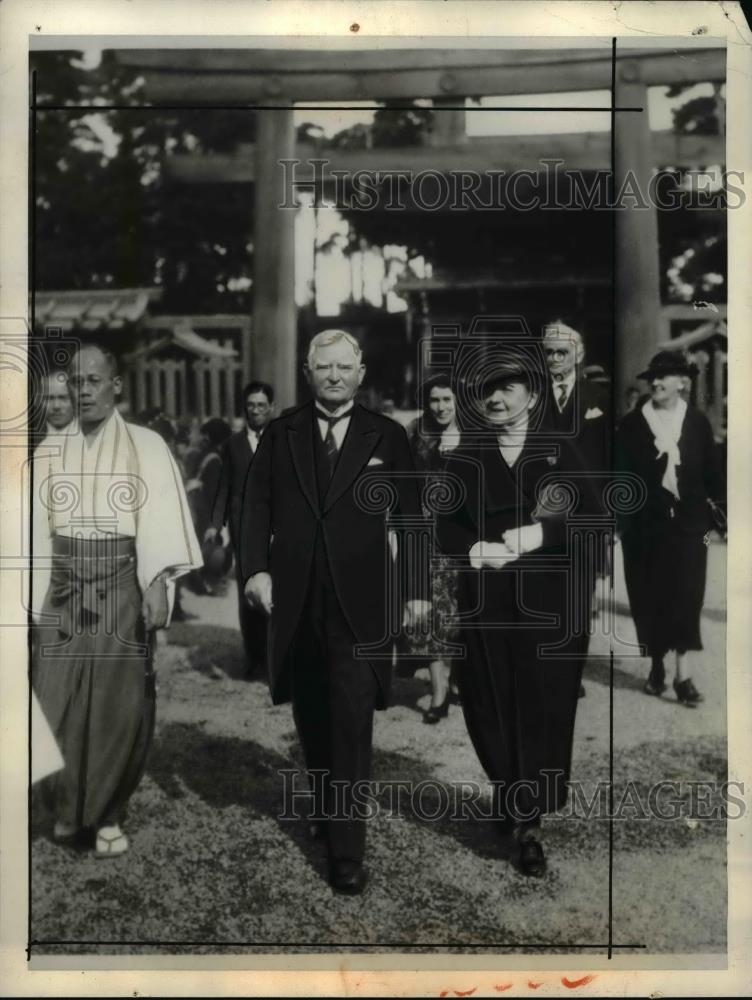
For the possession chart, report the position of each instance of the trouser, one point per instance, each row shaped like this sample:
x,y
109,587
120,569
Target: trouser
x,y
334,697
93,676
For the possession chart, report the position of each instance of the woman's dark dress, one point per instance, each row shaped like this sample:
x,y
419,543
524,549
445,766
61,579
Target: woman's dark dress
x,y
524,626
664,543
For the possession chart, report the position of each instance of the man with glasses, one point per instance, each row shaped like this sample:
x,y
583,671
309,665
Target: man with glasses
x,y
577,409
237,456
112,532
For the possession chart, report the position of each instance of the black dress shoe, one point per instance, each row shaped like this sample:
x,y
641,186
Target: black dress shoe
x,y
504,826
687,693
433,714
532,860
317,829
348,877
653,687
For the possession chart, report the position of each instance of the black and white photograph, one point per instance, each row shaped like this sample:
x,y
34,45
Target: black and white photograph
x,y
377,510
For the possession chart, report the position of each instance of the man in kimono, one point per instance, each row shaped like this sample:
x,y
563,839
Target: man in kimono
x,y
111,533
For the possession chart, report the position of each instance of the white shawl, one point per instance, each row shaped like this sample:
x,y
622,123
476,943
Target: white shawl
x,y
666,426
125,482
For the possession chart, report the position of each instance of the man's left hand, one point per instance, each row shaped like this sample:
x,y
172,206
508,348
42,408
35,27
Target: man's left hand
x,y
154,606
416,612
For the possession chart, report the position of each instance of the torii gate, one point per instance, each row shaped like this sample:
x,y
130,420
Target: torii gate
x,y
272,81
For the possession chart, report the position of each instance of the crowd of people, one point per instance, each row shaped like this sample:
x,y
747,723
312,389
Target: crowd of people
x,y
529,443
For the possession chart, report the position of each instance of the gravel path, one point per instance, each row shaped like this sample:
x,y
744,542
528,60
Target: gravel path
x,y
212,868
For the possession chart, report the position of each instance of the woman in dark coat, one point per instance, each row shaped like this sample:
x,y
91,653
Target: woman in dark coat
x,y
525,638
669,445
433,436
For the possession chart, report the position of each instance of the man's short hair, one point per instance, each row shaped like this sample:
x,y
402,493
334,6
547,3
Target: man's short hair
x,y
59,375
327,337
559,330
252,387
216,430
112,361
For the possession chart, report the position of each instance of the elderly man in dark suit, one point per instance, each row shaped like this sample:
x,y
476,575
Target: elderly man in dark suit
x,y
316,557
238,454
577,408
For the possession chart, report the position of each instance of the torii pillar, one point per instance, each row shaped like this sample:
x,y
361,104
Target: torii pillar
x,y
272,354
637,265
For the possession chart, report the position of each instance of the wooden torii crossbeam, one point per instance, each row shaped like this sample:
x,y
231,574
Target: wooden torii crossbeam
x,y
580,151
272,81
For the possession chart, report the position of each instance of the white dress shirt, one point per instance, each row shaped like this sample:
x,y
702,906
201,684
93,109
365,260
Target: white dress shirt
x,y
253,439
340,428
568,382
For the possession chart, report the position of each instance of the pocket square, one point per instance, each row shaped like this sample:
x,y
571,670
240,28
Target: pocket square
x,y
375,461
593,412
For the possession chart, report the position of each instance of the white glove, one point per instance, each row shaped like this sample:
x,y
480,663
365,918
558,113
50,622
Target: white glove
x,y
522,540
495,555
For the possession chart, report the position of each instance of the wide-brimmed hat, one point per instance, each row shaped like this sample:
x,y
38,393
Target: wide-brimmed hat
x,y
505,369
667,363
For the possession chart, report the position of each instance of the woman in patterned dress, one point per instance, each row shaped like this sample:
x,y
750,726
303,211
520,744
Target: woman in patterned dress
x,y
433,436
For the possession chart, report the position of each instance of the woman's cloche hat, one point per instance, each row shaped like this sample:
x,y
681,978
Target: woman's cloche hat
x,y
667,363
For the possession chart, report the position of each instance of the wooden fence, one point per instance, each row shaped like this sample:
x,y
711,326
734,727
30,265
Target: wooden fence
x,y
186,388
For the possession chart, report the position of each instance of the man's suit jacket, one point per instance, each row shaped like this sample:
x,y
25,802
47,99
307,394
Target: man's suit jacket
x,y
584,421
236,461
284,520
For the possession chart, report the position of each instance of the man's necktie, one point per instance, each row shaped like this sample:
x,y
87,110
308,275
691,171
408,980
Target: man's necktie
x,y
330,442
561,395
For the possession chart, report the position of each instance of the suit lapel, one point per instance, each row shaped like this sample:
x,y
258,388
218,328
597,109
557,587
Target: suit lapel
x,y
300,439
359,444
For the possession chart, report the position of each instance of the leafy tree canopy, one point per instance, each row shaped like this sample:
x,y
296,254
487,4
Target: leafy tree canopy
x,y
106,216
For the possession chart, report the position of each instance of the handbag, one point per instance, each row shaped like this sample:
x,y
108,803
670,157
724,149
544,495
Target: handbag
x,y
718,517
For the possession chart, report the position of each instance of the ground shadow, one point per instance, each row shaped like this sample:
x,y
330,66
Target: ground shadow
x,y
598,670
211,648
226,771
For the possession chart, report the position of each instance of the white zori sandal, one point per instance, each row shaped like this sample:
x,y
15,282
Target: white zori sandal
x,y
111,842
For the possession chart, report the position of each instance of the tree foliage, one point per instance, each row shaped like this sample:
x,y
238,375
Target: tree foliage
x,y
106,215
694,245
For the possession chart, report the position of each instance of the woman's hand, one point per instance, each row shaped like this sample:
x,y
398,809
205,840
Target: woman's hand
x,y
494,555
525,539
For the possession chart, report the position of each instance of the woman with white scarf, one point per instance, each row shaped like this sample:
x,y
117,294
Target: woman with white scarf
x,y
670,446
